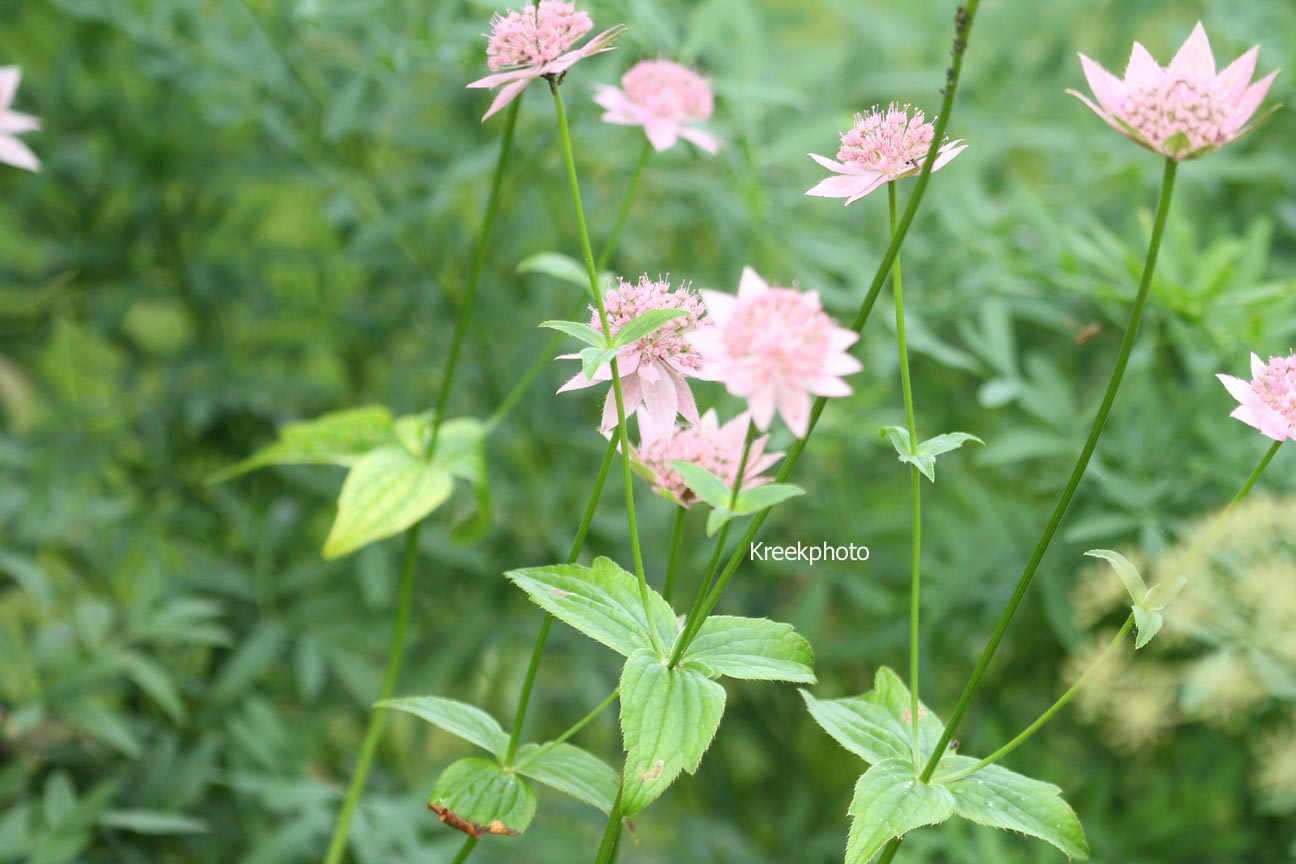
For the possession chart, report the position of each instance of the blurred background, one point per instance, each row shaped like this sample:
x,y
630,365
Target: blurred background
x,y
255,212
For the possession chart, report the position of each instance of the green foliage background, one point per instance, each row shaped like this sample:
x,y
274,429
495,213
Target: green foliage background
x,y
257,212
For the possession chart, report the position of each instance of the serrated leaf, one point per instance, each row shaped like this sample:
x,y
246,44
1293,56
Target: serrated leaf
x,y
1126,570
1001,798
387,491
583,332
668,718
890,802
458,718
601,601
755,649
557,265
645,324
876,725
478,797
760,498
593,358
570,770
939,444
704,484
1148,622
336,438
899,439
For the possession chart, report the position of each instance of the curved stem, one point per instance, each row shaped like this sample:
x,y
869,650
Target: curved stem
x,y
1082,462
571,730
337,845
916,485
474,276
592,270
676,546
533,667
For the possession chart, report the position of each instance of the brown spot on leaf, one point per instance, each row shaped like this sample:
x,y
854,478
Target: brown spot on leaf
x,y
1088,332
559,593
467,826
651,774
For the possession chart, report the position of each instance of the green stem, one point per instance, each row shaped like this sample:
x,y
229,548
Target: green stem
x,y
337,845
963,20
551,347
474,276
676,546
693,622
1255,475
611,833
592,269
572,730
1109,397
465,850
533,667
916,484
1048,714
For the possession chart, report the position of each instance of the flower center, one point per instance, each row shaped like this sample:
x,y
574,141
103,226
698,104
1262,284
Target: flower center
x,y
535,35
668,90
1276,386
1179,106
888,142
781,335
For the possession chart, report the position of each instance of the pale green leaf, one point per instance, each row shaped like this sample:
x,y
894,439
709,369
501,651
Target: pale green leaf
x,y
458,718
668,718
1126,570
152,822
1001,798
386,492
645,324
1163,593
755,649
601,601
557,265
760,498
939,444
337,438
583,332
877,725
414,431
704,484
593,358
570,770
717,518
890,802
1148,622
477,797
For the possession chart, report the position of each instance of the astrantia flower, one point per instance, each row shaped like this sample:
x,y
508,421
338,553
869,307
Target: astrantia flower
x,y
535,42
653,369
774,347
716,448
1268,400
666,99
1184,110
13,123
881,147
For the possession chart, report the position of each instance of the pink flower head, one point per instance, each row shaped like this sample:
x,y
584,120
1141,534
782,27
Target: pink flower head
x,y
1268,400
1182,111
13,123
774,347
652,369
882,146
536,42
666,99
716,448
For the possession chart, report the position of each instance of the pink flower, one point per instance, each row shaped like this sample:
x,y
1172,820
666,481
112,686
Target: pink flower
x,y
1184,110
653,369
1268,400
13,123
664,98
881,147
535,42
774,347
718,449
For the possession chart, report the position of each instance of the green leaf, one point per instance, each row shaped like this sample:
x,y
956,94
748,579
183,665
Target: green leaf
x,y
570,770
939,444
602,602
461,451
668,718
755,649
1126,570
1148,622
583,332
337,438
386,492
876,726
152,822
890,802
1001,798
557,265
760,498
717,518
593,358
155,681
704,484
645,324
458,718
1163,593
923,457
414,431
477,796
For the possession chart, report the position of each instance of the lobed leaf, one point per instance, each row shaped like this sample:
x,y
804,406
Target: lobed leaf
x,y
890,802
876,725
